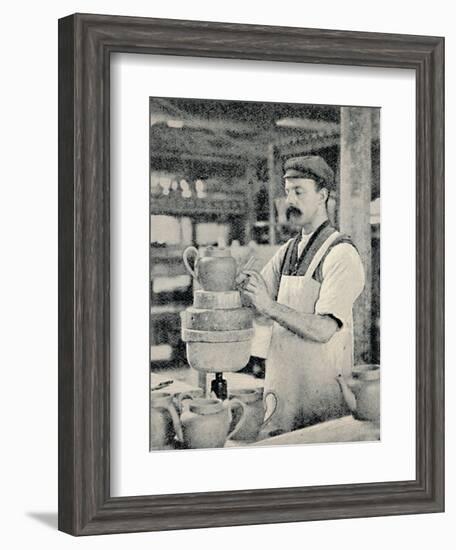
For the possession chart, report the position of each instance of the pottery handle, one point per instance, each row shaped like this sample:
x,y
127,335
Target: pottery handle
x,y
276,402
180,397
176,422
194,252
237,403
346,387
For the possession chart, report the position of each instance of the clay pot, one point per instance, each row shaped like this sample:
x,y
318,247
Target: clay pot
x,y
214,268
218,319
253,415
218,356
362,392
164,421
204,299
206,422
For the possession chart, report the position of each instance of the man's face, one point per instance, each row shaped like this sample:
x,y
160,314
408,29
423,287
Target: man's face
x,y
304,199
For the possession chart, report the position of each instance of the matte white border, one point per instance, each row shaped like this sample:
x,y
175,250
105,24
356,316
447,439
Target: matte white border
x,y
135,471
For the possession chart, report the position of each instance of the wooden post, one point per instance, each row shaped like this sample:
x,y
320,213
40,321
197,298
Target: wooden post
x,y
354,211
250,190
275,189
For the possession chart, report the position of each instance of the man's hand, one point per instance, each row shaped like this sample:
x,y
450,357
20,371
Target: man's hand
x,y
254,288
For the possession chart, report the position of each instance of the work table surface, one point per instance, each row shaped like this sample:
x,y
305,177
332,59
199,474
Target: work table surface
x,y
340,430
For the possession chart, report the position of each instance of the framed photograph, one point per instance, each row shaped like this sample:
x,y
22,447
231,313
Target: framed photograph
x,y
245,336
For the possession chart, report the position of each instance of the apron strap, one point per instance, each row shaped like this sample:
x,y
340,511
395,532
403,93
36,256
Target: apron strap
x,y
294,265
342,238
321,253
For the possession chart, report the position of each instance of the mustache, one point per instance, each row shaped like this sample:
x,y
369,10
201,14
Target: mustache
x,y
293,211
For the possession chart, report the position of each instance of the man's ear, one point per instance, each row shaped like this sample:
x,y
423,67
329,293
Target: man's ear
x,y
324,193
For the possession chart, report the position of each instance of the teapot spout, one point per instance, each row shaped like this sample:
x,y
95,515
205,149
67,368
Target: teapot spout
x,y
349,396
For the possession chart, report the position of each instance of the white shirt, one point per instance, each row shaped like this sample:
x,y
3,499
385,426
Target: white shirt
x,y
305,237
342,282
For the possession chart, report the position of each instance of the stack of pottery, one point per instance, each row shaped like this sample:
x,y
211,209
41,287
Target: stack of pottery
x,y
217,329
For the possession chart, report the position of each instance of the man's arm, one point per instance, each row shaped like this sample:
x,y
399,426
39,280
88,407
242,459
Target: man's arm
x,y
319,328
343,282
310,326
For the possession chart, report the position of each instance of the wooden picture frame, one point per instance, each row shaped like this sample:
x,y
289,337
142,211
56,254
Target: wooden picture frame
x,y
85,45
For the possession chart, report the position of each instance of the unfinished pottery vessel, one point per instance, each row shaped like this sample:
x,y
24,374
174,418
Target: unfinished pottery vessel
x,y
253,413
164,421
206,422
214,268
362,392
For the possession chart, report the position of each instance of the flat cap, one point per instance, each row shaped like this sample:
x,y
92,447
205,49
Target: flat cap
x,y
310,166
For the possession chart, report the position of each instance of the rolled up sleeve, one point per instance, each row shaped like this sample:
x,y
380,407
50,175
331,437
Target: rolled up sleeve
x,y
271,271
342,282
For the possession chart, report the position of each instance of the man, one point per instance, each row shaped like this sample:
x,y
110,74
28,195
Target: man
x,y
307,291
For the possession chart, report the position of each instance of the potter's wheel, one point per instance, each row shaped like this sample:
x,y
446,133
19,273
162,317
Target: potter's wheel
x,y
218,333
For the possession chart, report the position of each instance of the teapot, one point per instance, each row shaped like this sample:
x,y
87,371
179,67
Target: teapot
x,y
164,421
206,422
362,392
214,268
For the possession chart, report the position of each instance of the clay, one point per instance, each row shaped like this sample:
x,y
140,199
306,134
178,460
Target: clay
x,y
218,357
189,335
216,319
203,299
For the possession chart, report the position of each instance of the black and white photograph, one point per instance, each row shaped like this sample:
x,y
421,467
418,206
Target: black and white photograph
x,y
264,273
226,257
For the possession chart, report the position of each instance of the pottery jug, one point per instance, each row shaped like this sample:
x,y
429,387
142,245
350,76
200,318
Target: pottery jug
x,y
253,413
164,421
362,392
206,422
214,268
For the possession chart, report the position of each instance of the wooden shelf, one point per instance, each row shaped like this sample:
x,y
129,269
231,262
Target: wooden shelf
x,y
192,206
